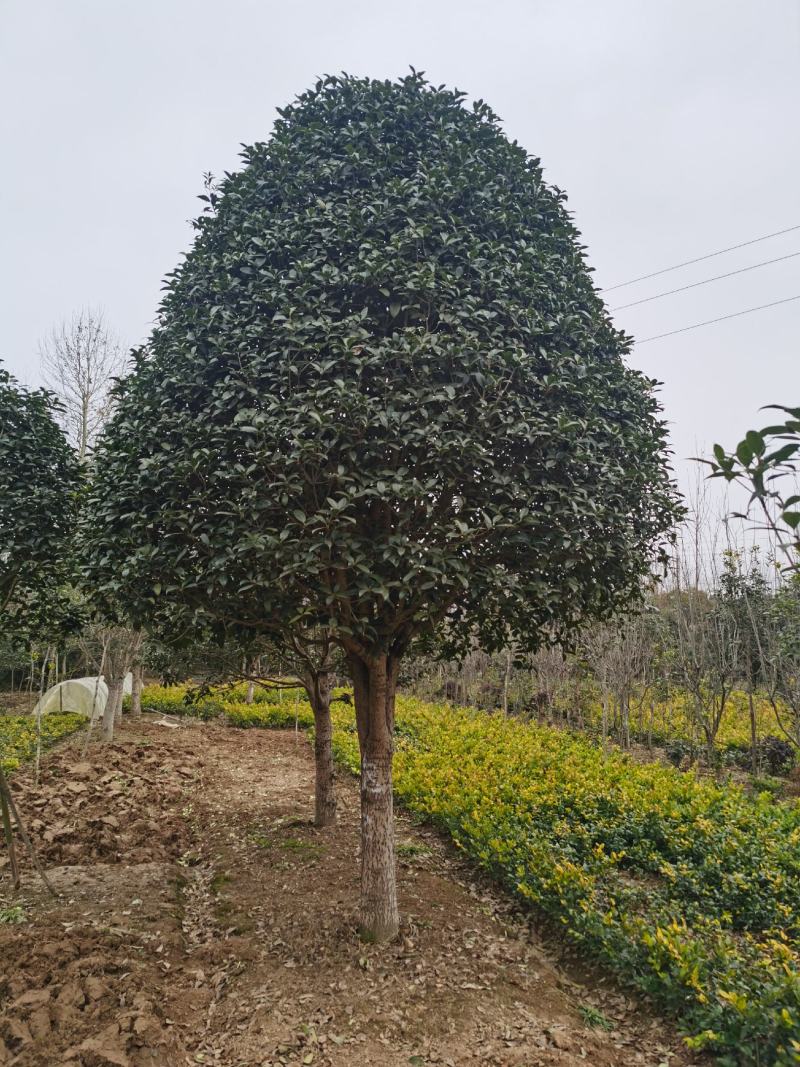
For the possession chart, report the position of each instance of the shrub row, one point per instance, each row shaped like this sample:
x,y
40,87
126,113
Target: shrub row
x,y
671,719
267,710
687,890
18,735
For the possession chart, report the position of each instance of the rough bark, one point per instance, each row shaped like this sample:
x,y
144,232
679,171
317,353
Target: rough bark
x,y
319,692
110,713
118,705
374,684
136,690
251,692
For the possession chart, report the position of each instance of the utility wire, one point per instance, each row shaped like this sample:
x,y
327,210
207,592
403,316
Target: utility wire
x,y
699,259
706,281
722,318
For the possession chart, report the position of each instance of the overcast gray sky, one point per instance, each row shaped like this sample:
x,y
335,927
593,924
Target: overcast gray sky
x,y
673,125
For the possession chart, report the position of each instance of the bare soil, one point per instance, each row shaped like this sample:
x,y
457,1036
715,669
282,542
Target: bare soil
x,y
18,702
202,919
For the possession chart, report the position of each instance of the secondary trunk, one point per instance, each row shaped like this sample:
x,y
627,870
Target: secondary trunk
x,y
118,706
507,679
110,713
136,690
319,692
753,733
374,684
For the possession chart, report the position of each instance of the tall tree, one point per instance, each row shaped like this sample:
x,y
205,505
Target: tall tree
x,y
38,505
39,482
383,394
80,359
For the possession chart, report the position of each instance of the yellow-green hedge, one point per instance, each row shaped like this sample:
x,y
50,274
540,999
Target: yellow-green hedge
x,y
18,735
688,890
671,719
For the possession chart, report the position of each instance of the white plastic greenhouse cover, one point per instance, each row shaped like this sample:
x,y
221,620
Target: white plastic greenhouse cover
x,y
79,694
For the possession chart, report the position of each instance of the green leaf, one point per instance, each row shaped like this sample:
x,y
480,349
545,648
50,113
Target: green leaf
x,y
755,442
744,453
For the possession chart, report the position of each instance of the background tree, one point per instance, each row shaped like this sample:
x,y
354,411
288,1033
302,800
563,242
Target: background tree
x,y
383,394
79,359
184,645
38,502
744,592
111,650
39,482
779,654
705,638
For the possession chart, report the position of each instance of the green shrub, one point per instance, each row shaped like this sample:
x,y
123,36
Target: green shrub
x,y
237,694
272,716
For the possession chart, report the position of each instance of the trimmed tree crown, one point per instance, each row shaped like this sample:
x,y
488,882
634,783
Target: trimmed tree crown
x,y
39,479
383,393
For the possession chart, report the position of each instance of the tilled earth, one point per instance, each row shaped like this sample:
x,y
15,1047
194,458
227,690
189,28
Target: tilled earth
x,y
202,919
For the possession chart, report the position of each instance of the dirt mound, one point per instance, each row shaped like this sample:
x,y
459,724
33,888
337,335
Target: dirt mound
x,y
79,1000
118,805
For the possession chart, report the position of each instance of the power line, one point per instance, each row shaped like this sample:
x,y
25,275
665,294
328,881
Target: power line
x,y
706,281
699,259
710,322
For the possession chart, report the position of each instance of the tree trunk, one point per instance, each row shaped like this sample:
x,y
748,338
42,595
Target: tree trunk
x,y
507,679
251,692
625,720
374,684
710,751
753,734
110,713
118,705
136,690
83,443
319,692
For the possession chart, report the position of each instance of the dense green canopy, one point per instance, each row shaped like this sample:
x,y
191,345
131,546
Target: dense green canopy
x,y
383,391
38,498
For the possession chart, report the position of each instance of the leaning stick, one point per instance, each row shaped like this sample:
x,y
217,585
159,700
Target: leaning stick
x,y
12,852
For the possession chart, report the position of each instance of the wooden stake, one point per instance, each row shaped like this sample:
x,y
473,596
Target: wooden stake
x,y
6,814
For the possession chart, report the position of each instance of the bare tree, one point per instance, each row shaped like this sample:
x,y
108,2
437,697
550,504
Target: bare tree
x,y
114,650
551,671
621,654
779,651
79,359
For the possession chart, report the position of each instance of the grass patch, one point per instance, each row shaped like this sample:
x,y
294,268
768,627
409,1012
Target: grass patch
x,y
594,1018
13,915
410,850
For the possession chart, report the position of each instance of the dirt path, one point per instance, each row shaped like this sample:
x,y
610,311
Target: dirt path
x,y
204,920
